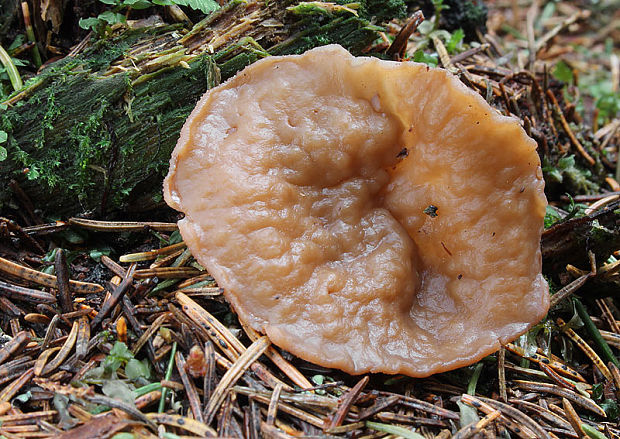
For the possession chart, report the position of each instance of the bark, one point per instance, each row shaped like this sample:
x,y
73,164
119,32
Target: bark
x,y
93,132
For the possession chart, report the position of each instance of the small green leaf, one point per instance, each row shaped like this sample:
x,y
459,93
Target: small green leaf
x,y
473,381
141,391
110,2
119,355
467,414
3,153
318,379
3,136
563,72
552,216
118,389
204,6
426,27
175,237
89,23
137,369
597,391
18,41
137,4
111,17
74,236
32,173
545,15
420,56
97,253
61,404
19,62
454,41
121,350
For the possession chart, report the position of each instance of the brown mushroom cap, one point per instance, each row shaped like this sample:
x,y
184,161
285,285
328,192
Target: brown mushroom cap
x,y
366,215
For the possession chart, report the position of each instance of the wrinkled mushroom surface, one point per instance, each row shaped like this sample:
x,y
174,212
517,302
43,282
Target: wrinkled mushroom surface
x,y
366,215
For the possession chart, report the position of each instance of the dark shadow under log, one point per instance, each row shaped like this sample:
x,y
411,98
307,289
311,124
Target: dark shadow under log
x,y
569,242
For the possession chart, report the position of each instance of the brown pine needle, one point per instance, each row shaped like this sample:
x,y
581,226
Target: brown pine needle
x,y
573,417
585,347
122,226
574,397
152,254
559,367
242,363
476,427
64,351
45,279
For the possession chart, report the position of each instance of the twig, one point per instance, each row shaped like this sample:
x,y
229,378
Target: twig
x,y
394,430
532,12
562,368
25,294
459,57
198,428
518,416
152,254
9,391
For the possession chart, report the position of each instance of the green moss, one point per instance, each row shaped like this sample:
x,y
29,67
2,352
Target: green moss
x,y
104,51
63,152
382,10
89,139
569,174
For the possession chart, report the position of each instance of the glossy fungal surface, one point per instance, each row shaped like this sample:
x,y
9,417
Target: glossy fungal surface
x,y
366,215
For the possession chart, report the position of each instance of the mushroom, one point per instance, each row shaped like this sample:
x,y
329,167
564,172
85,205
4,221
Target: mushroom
x,y
366,215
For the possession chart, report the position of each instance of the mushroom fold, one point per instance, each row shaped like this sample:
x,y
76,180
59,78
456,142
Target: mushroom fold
x,y
367,215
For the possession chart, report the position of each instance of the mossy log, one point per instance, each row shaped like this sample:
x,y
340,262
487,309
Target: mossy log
x,y
93,132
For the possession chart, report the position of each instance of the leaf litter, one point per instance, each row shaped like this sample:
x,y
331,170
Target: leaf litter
x,y
144,345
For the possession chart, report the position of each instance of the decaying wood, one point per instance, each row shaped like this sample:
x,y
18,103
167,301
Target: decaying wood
x,y
94,132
